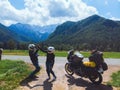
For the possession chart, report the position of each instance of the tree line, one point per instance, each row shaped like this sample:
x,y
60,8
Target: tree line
x,y
11,44
103,46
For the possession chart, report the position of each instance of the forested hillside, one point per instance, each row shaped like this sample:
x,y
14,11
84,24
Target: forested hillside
x,y
92,32
8,39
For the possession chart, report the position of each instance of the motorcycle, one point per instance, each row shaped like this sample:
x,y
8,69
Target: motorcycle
x,y
83,69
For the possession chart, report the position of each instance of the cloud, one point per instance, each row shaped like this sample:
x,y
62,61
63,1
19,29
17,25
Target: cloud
x,y
45,12
114,18
111,17
9,14
118,0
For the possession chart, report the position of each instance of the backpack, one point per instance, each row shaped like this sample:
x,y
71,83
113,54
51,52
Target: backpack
x,y
97,57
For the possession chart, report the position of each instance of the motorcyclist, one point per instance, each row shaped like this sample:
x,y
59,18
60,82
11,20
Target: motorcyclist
x,y
1,50
50,59
33,53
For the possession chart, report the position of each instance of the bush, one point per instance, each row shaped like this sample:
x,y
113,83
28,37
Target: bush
x,y
115,79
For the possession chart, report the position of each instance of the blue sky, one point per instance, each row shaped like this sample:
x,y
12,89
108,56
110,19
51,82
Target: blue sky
x,y
18,4
46,12
106,8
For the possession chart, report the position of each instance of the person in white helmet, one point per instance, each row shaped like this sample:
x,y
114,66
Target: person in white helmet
x,y
33,53
1,50
50,59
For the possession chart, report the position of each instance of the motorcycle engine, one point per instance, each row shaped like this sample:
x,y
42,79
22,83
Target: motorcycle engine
x,y
79,72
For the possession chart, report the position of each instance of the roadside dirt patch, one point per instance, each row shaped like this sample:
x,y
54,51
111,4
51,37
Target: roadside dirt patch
x,y
65,82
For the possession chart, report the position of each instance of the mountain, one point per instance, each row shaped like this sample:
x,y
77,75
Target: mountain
x,y
6,34
92,32
25,33
32,33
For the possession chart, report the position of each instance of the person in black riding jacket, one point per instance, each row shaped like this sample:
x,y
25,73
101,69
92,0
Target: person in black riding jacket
x,y
1,50
33,53
50,59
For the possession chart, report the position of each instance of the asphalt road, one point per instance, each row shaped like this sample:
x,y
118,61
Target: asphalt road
x,y
58,60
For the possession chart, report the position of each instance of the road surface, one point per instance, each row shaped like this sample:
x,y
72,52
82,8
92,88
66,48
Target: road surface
x,y
58,60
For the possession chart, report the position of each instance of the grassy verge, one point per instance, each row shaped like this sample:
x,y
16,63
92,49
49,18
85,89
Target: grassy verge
x,y
11,73
61,53
111,54
15,52
115,79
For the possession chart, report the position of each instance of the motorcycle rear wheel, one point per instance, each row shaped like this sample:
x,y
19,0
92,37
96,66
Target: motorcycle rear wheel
x,y
96,79
68,69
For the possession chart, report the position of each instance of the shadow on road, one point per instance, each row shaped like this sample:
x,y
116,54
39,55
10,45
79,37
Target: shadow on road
x,y
86,84
47,85
25,82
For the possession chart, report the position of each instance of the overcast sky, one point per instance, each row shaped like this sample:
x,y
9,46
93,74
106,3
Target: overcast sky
x,y
46,12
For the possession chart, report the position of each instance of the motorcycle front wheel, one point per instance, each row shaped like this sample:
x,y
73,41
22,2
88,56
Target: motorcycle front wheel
x,y
96,78
68,69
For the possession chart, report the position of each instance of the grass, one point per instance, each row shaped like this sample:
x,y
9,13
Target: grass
x,y
112,54
11,73
61,53
15,52
115,79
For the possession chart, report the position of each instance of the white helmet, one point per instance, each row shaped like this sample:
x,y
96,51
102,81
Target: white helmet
x,y
50,48
31,46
